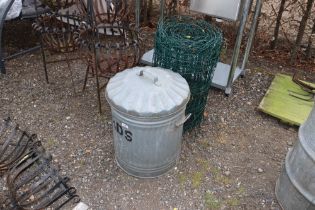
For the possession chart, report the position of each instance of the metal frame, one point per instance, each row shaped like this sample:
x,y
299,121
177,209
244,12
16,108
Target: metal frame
x,y
32,181
64,40
121,48
3,13
236,52
226,74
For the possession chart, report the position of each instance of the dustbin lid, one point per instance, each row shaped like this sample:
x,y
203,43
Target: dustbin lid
x,y
147,91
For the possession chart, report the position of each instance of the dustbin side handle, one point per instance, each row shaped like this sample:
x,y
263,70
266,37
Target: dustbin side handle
x,y
180,123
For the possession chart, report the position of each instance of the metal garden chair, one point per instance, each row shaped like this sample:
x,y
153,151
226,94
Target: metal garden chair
x,y
58,32
114,43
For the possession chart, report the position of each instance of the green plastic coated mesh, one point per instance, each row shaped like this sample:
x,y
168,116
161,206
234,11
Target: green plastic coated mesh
x,y
191,48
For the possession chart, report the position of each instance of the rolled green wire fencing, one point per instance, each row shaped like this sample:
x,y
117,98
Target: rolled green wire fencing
x,y
190,47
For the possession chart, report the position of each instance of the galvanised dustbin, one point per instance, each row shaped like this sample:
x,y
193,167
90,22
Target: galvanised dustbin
x,y
148,110
295,188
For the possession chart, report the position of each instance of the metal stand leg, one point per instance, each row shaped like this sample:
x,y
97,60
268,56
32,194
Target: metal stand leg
x,y
71,74
44,63
86,76
251,35
237,47
98,86
2,66
95,51
162,8
2,62
137,13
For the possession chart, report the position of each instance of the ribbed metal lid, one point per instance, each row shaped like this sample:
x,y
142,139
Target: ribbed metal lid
x,y
147,91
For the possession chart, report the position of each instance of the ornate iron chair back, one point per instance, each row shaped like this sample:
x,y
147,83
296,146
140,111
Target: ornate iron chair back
x,y
115,44
58,31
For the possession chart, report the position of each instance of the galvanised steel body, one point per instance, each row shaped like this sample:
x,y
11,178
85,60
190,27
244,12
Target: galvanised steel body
x,y
295,188
148,109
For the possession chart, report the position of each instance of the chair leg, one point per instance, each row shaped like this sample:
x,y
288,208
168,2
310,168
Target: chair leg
x,y
86,76
71,73
98,91
44,63
2,67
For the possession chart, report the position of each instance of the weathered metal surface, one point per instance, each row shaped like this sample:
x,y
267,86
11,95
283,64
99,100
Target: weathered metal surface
x,y
148,109
148,92
288,196
57,32
14,143
32,181
147,148
295,188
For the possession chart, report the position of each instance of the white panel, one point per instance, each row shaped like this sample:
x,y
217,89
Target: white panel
x,y
225,9
221,73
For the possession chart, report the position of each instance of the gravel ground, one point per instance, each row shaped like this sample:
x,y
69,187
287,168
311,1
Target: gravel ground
x,y
231,162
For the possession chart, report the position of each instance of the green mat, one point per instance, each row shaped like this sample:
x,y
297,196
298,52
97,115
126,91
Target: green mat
x,y
280,104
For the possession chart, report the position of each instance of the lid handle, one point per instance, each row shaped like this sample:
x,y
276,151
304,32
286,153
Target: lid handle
x,y
155,78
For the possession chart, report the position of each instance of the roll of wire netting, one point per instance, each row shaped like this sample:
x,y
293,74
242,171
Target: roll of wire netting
x,y
190,47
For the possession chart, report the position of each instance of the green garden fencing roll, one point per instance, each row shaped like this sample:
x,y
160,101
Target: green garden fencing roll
x,y
190,47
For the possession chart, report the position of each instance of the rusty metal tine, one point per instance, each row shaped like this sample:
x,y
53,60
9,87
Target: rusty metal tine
x,y
26,164
59,195
47,200
68,200
8,167
35,189
32,182
22,159
18,150
19,153
39,198
29,178
34,173
71,194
